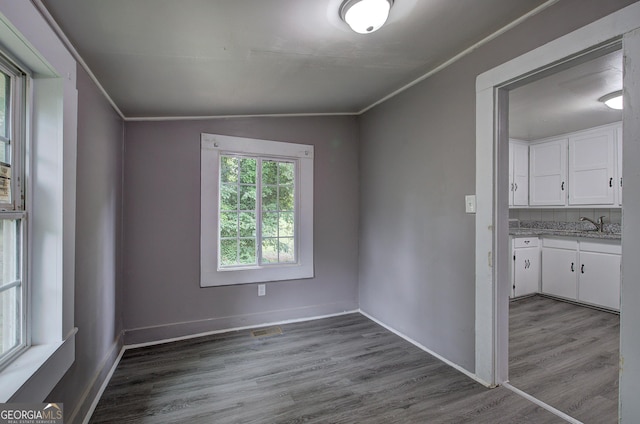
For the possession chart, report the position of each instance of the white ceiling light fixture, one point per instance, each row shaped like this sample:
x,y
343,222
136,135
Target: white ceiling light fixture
x,y
365,16
613,100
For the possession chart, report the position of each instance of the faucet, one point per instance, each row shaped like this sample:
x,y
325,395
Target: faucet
x,y
598,224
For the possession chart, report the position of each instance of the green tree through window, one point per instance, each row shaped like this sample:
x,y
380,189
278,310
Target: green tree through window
x,y
257,211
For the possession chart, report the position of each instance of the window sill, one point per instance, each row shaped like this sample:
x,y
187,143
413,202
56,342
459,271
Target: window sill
x,y
32,376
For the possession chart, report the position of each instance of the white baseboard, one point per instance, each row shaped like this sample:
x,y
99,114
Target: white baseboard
x,y
429,351
178,330
229,330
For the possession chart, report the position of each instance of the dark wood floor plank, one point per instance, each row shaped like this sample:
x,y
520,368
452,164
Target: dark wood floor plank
x,y
338,370
567,356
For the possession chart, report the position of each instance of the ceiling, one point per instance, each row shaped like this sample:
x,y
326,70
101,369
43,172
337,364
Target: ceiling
x,y
167,58
566,101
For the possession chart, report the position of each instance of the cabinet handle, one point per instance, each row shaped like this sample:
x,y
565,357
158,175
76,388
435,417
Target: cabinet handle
x,y
582,269
620,181
611,182
562,186
511,186
516,186
572,269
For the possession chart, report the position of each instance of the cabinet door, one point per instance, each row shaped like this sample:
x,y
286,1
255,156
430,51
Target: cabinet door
x,y
599,281
526,271
559,276
511,165
548,173
591,167
619,162
520,154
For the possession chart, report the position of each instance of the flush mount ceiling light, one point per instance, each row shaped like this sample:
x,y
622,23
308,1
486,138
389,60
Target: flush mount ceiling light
x,y
365,16
613,100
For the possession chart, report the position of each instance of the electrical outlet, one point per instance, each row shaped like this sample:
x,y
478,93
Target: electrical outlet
x,y
262,289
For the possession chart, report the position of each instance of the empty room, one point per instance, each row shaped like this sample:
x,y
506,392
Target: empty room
x,y
323,211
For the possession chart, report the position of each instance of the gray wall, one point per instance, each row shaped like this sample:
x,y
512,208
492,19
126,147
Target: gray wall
x,y
417,251
98,303
163,298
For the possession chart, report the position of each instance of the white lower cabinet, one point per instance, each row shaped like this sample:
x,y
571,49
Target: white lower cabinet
x,y
586,271
600,274
525,272
559,276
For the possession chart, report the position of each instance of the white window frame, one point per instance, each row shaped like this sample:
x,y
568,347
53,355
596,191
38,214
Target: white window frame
x,y
212,147
14,209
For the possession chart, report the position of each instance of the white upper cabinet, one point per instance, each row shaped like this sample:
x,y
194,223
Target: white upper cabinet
x,y
548,169
518,173
592,178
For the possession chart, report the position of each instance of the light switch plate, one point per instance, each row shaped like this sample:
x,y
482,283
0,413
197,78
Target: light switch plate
x,y
470,203
262,289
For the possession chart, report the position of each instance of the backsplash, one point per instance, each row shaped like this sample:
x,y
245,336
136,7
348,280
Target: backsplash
x,y
611,216
563,225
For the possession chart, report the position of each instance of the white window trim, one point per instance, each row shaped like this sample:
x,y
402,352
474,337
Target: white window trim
x,y
212,146
51,134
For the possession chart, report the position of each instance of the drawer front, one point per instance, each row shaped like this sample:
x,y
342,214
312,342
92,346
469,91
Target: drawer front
x,y
560,243
525,242
601,247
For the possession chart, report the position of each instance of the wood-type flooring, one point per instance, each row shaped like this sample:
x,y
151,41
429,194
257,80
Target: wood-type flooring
x,y
344,369
566,356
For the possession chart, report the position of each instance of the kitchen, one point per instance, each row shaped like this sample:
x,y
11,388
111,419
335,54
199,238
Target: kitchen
x,y
565,216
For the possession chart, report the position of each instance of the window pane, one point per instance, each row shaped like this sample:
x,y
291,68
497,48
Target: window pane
x,y
286,224
228,169
228,197
247,251
269,250
10,321
228,252
269,198
229,224
248,171
286,172
286,250
269,172
10,278
5,108
247,198
270,224
247,224
285,198
5,152
9,251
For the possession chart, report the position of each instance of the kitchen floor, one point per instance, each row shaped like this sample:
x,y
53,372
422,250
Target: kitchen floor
x,y
567,356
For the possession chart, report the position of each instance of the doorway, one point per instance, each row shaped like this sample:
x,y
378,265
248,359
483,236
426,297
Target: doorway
x,y
492,250
564,338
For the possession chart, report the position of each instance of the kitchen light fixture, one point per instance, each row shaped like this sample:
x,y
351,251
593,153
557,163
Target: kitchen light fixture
x,y
613,100
365,16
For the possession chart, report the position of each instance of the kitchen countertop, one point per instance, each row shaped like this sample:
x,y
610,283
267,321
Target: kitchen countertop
x,y
530,232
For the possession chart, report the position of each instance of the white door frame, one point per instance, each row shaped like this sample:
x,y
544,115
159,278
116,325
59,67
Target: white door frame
x,y
492,286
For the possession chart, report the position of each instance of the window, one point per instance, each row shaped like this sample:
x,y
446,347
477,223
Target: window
x,y
12,288
256,210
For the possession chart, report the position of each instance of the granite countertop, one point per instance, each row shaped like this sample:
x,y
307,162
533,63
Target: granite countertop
x,y
563,229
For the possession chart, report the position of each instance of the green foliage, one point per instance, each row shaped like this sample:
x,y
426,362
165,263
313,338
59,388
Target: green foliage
x,y
228,197
238,206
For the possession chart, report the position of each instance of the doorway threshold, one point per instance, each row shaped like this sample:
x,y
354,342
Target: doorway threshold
x,y
541,404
